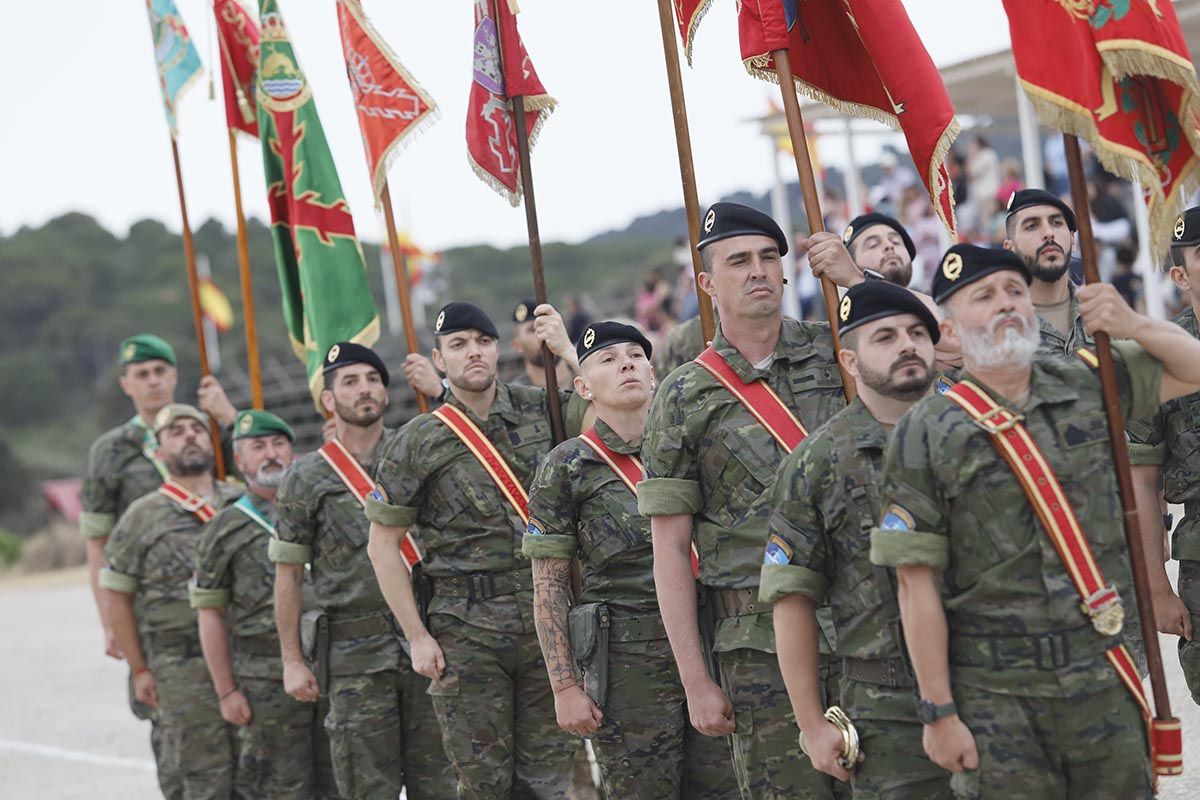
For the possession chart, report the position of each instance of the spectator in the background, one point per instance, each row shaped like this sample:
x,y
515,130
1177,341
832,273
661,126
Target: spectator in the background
x,y
1126,282
653,309
983,170
577,317
957,167
1010,175
685,303
1054,157
887,194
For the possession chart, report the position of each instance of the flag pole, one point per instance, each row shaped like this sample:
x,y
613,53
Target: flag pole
x,y
557,429
243,252
400,265
808,187
687,169
1116,438
189,256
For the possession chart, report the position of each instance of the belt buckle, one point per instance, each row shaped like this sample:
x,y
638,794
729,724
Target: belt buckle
x,y
1105,610
1003,425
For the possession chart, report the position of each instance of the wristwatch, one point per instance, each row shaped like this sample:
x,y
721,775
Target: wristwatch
x,y
872,275
928,713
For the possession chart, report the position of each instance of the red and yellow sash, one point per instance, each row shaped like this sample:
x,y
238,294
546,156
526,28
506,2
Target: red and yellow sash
x,y
1098,601
346,467
628,467
192,503
488,456
759,399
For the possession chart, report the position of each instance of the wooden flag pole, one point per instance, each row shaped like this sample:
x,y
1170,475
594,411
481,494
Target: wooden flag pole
x,y
400,265
557,429
687,169
808,187
189,256
243,251
1116,437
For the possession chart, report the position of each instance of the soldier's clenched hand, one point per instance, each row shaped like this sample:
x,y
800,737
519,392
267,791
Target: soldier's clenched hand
x,y
427,657
949,744
710,710
235,709
299,682
145,688
422,376
828,258
1103,309
824,744
576,713
211,399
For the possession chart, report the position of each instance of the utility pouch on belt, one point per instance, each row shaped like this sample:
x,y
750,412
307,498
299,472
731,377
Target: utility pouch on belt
x,y
422,586
706,617
314,645
587,627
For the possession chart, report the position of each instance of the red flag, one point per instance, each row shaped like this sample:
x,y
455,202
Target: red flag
x,y
862,57
391,105
1131,91
502,70
238,37
689,13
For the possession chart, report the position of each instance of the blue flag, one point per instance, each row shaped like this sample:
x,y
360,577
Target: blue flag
x,y
174,54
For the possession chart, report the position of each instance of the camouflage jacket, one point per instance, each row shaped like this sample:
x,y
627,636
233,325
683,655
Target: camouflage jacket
x,y
684,343
825,503
952,503
1171,439
706,455
119,471
579,507
233,572
151,554
430,479
1053,342
321,523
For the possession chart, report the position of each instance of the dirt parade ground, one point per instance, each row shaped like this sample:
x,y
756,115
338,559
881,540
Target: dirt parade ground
x,y
66,732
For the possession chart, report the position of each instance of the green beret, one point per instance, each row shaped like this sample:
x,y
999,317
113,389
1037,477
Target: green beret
x,y
145,347
254,423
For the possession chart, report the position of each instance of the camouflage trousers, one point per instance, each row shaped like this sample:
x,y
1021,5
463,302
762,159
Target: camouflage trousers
x,y
197,746
894,766
383,735
168,781
1189,652
766,747
1090,746
496,712
646,748
284,751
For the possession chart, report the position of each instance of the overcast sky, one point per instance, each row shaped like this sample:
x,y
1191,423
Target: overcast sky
x,y
83,126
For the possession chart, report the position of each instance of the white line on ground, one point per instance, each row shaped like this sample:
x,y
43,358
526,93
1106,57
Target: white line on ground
x,y
48,751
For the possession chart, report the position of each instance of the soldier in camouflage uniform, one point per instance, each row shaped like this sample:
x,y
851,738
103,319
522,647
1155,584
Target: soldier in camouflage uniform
x,y
581,507
1168,443
1013,677
528,346
380,721
710,466
1040,228
283,750
151,554
684,342
825,503
490,690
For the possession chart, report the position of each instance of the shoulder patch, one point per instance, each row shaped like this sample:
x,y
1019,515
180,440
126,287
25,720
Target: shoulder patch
x,y
943,384
535,528
778,551
897,518
378,494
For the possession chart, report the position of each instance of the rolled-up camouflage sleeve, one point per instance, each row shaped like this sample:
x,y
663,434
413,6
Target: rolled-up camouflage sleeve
x,y
124,554
99,493
212,585
1139,379
796,556
400,479
553,514
1147,447
297,522
914,530
670,454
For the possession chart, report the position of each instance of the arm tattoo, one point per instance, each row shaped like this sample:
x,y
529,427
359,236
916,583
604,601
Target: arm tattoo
x,y
551,602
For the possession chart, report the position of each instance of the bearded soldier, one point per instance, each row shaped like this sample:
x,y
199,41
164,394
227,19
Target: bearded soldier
x,y
461,473
1011,562
380,719
825,503
151,554
283,750
528,346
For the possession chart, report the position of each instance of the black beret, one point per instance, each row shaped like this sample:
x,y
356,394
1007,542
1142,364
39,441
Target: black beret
x,y
1024,198
859,225
524,310
599,335
963,264
459,316
726,220
1187,228
344,354
871,300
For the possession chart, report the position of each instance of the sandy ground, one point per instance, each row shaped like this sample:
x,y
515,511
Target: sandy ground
x,y
66,732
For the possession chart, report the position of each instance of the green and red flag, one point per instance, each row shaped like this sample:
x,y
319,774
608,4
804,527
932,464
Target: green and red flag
x,y
174,54
237,35
502,70
864,58
326,298
1131,90
391,105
